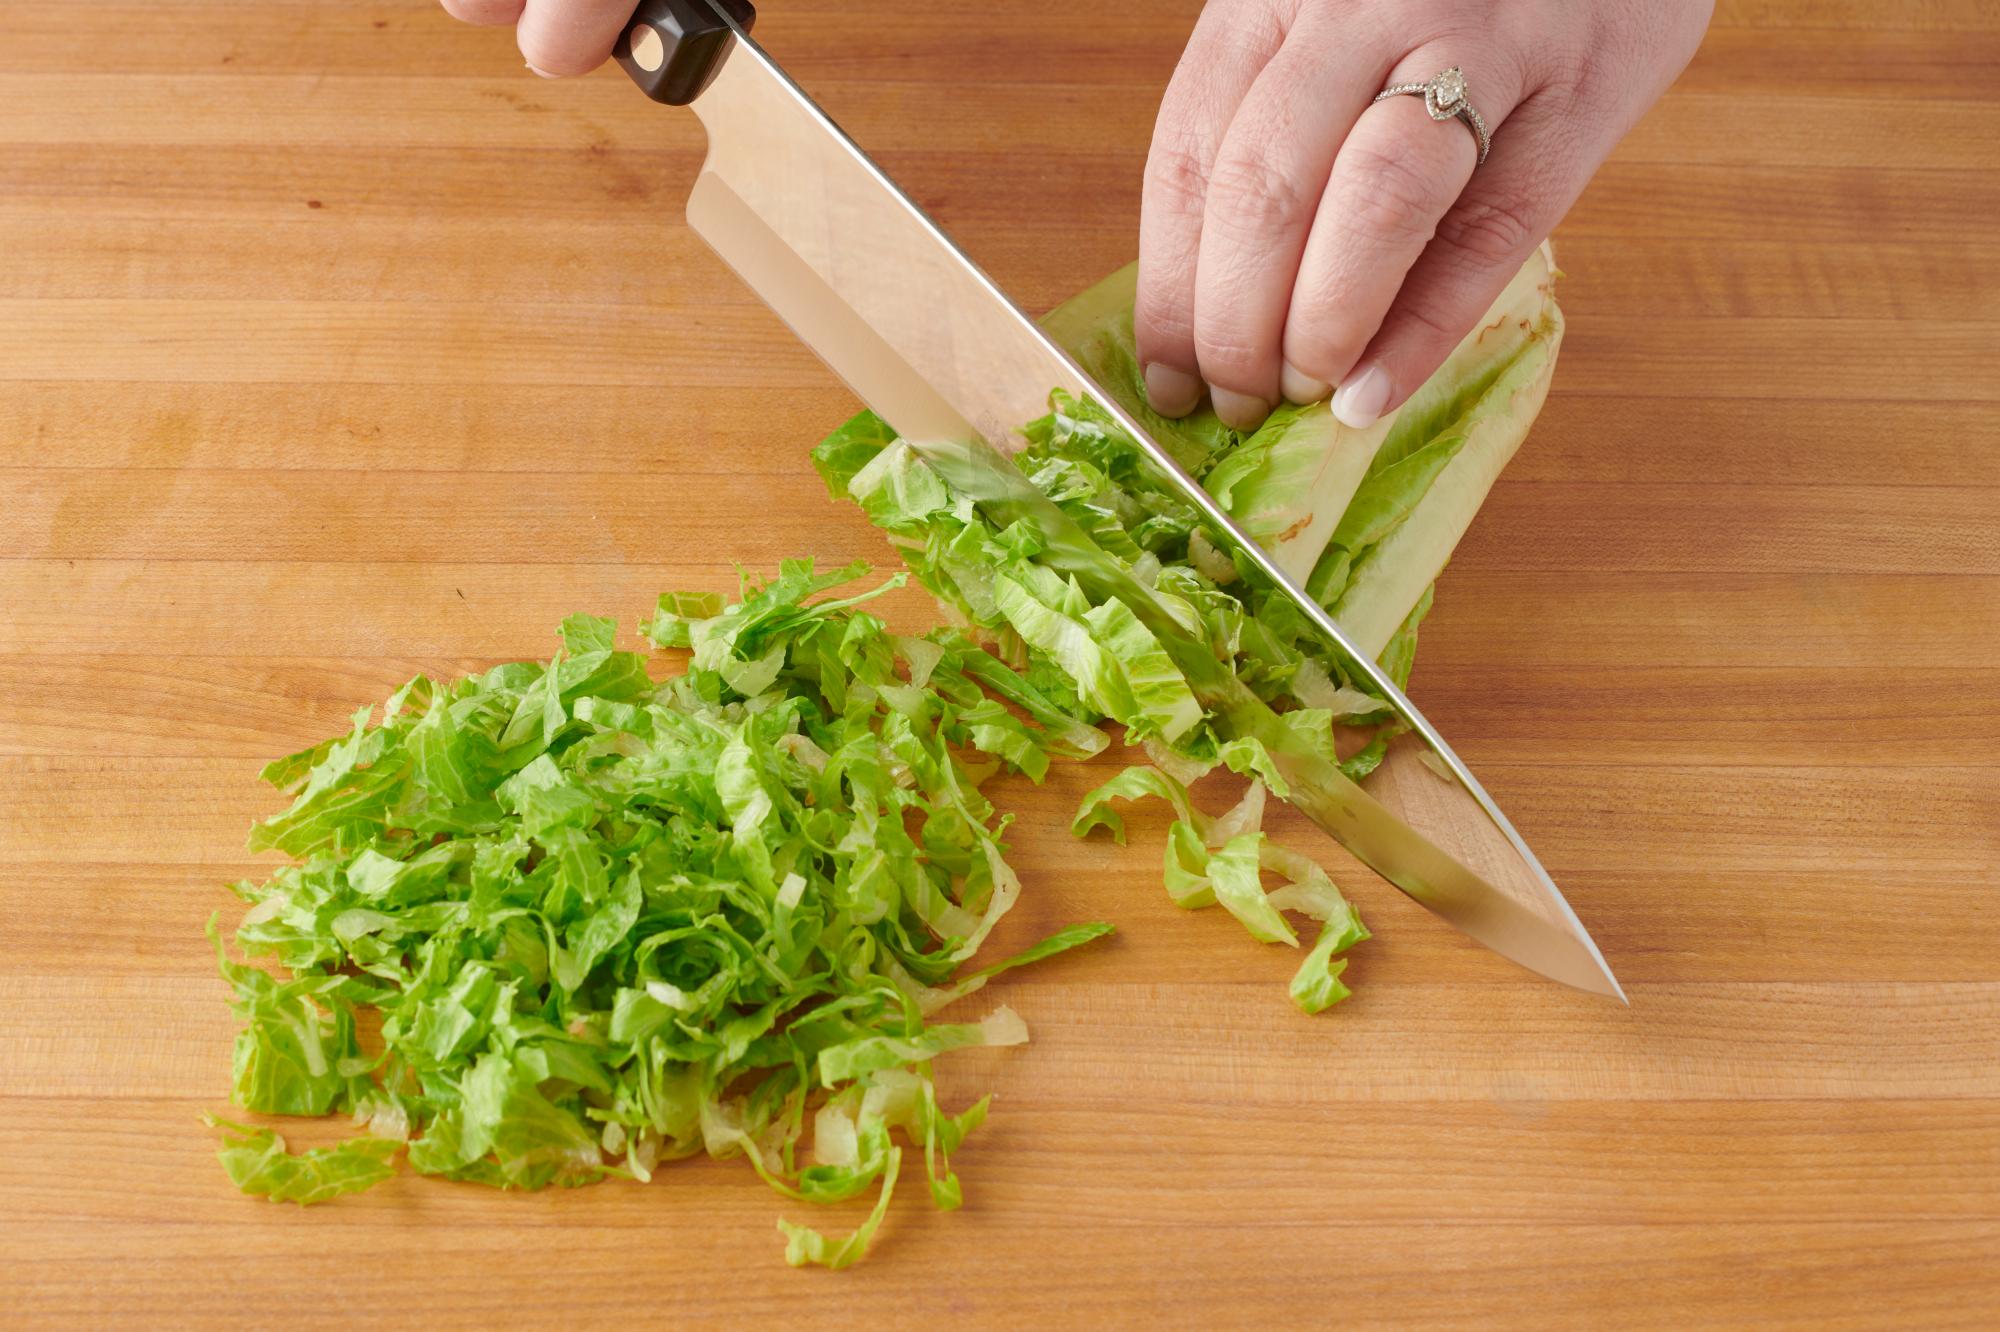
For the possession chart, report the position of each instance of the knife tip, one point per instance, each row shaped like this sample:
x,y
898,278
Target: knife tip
x,y
1610,985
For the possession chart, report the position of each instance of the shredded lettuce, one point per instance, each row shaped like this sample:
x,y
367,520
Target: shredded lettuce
x,y
1113,598
258,1162
606,922
1222,861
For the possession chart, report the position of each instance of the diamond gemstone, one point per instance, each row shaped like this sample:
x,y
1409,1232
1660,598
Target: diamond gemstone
x,y
1445,94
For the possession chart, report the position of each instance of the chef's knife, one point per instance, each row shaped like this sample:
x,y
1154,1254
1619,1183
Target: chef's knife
x,y
873,286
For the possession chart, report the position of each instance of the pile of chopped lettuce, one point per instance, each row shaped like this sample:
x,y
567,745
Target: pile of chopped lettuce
x,y
602,922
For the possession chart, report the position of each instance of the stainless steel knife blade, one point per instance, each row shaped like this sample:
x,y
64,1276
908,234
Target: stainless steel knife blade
x,y
873,286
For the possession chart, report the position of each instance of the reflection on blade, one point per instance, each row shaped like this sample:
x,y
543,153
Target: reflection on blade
x,y
868,282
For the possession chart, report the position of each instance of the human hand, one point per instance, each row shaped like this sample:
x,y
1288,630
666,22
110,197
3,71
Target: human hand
x,y
1294,236
557,37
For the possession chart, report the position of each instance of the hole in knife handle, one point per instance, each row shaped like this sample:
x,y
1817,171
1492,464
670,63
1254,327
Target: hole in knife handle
x,y
673,48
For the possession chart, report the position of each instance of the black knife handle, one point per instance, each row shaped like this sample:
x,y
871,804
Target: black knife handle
x,y
672,48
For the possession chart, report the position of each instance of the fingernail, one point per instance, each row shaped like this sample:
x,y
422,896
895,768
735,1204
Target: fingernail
x,y
1361,397
1300,387
1172,392
542,73
1239,411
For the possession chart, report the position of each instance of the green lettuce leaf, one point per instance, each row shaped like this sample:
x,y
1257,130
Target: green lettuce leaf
x,y
257,1162
1292,481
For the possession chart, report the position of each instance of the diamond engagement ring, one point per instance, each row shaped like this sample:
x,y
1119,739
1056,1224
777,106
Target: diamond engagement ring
x,y
1445,98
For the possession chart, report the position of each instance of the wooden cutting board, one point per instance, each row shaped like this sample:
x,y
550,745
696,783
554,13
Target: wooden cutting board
x,y
335,347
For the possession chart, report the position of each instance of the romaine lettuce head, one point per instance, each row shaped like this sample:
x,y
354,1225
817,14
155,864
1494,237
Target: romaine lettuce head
x,y
1366,518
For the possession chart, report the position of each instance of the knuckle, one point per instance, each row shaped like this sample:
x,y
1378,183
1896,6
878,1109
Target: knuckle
x,y
1238,31
1161,325
1492,231
1226,352
1163,310
1386,194
1327,326
1177,174
1423,322
1323,339
1252,196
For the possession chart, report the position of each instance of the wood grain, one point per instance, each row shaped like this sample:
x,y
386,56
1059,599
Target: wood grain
x,y
324,361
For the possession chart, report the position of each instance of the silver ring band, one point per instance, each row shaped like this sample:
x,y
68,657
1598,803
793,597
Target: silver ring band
x,y
1445,98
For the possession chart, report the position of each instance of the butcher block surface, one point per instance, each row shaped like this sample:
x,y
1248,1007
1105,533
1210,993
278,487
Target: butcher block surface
x,y
335,347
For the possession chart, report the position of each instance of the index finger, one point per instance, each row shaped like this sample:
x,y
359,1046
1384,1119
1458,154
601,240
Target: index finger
x,y
570,36
1232,42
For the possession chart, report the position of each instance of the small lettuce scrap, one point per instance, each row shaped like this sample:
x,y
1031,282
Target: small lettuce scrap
x,y
605,922
1222,861
258,1162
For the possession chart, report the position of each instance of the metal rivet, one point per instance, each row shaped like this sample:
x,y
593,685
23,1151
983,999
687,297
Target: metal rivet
x,y
648,51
